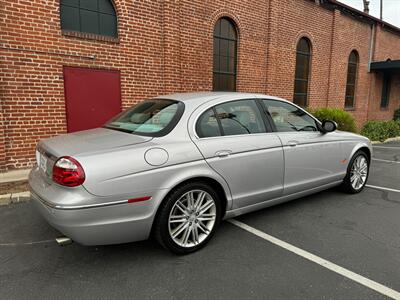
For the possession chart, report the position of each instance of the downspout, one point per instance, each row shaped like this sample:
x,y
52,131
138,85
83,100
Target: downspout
x,y
370,56
371,46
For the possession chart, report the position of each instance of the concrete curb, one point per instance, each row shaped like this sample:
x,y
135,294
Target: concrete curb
x,y
395,139
17,175
7,199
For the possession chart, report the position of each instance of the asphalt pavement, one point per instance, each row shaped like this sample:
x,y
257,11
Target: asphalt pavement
x,y
359,233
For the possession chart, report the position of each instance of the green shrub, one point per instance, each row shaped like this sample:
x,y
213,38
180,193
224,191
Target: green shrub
x,y
381,130
343,118
396,115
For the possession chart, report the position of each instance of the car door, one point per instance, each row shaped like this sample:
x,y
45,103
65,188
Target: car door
x,y
236,142
312,158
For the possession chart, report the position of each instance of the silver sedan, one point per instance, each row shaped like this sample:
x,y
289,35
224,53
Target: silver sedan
x,y
174,166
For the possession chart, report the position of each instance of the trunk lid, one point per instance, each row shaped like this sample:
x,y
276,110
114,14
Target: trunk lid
x,y
82,142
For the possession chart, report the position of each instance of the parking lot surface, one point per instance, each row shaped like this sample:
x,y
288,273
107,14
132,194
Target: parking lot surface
x,y
360,233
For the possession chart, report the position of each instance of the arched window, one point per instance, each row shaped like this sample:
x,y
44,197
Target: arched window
x,y
302,74
225,48
89,16
351,79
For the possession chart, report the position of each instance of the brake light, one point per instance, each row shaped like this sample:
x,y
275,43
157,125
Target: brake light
x,y
67,171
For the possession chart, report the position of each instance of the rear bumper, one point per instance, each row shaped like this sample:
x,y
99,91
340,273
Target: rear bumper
x,y
96,226
75,214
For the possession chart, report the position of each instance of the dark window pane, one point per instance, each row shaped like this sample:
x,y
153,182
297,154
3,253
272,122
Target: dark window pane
x,y
89,21
223,47
353,57
351,79
224,56
230,83
350,90
349,101
351,76
223,67
108,25
300,100
74,3
217,82
232,32
105,6
302,66
70,18
232,48
231,65
89,4
207,125
92,16
302,72
300,87
385,91
225,25
303,46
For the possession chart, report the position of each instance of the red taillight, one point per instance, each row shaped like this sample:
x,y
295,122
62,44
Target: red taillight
x,y
67,171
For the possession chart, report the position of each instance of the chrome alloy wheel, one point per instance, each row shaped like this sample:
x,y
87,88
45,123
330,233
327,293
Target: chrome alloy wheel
x,y
359,172
192,218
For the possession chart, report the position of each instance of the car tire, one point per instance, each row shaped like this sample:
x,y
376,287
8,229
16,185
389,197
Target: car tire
x,y
188,218
357,173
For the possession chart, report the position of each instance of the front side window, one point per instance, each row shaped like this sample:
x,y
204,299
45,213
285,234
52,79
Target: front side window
x,y
152,118
351,79
89,16
385,90
302,73
225,44
288,117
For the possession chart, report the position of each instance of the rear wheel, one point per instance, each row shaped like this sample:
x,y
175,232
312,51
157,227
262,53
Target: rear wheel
x,y
357,173
188,218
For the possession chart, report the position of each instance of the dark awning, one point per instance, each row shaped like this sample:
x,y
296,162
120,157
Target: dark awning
x,y
385,66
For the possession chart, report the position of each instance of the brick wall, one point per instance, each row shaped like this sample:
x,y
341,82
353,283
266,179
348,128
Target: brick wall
x,y
166,46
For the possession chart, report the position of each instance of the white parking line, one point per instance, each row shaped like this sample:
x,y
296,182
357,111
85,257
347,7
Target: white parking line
x,y
386,160
384,147
382,188
384,290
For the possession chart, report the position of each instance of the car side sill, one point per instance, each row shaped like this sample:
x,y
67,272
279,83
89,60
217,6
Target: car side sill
x,y
244,210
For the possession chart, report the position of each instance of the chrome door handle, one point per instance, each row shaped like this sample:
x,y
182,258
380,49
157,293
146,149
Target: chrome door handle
x,y
223,153
292,143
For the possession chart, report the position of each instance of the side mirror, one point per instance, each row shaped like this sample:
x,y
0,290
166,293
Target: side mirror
x,y
328,126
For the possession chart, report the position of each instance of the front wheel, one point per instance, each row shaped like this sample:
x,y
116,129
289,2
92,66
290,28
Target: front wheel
x,y
188,218
357,173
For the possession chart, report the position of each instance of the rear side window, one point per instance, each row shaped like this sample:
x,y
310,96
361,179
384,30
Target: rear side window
x,y
232,118
240,117
155,117
207,125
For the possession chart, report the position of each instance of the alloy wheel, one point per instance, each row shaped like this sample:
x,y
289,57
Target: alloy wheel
x,y
192,218
359,172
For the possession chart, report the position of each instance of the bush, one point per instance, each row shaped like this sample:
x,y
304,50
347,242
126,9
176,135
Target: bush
x,y
381,130
343,118
396,115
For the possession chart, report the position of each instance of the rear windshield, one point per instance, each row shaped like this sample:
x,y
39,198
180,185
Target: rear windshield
x,y
155,117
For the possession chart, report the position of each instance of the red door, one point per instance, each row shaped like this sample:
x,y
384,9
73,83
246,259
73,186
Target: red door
x,y
92,97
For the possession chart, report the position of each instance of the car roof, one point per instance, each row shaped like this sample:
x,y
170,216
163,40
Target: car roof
x,y
202,97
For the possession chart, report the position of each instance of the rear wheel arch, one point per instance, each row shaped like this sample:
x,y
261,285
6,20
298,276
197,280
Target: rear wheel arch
x,y
214,184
